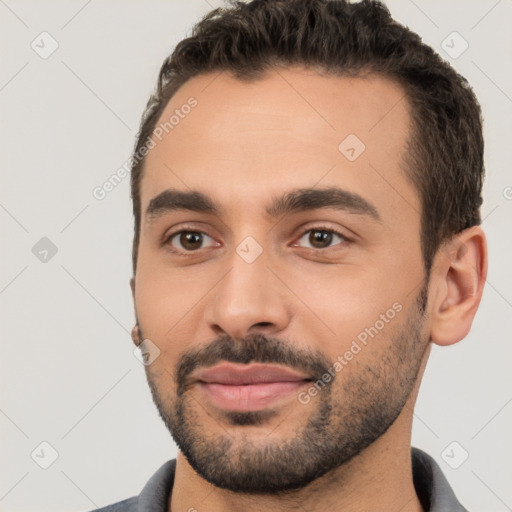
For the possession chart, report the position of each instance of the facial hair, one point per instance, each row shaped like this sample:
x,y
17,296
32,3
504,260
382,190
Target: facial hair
x,y
347,415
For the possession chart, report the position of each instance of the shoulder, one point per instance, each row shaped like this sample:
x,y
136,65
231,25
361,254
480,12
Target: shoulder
x,y
154,496
431,485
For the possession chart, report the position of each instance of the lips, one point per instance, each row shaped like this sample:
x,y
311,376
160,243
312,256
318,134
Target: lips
x,y
248,387
236,375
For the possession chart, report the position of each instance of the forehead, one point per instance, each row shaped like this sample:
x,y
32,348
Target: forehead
x,y
242,142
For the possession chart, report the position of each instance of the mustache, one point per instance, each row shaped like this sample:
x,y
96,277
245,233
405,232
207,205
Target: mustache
x,y
256,348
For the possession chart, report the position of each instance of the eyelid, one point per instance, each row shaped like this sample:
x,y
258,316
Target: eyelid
x,y
178,228
319,227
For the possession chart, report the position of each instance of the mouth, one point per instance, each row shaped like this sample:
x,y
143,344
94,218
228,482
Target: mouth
x,y
249,387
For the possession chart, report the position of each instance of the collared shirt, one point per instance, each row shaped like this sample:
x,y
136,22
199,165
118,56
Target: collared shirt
x,y
433,490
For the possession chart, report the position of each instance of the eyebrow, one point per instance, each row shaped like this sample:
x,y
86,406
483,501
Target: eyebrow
x,y
298,200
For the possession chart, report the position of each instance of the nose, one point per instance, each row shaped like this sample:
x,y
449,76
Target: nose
x,y
249,299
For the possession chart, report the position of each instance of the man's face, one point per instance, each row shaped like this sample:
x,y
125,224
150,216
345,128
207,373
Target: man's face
x,y
330,294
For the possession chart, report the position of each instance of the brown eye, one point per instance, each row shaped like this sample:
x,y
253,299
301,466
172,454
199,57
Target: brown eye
x,y
321,238
188,240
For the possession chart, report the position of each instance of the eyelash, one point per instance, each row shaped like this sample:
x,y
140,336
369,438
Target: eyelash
x,y
314,228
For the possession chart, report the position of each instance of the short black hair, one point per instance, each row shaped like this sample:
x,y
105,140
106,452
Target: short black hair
x,y
444,154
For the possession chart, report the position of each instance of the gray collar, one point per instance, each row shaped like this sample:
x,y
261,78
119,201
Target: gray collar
x,y
431,485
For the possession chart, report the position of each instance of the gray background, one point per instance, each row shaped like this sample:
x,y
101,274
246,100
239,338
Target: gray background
x,y
68,373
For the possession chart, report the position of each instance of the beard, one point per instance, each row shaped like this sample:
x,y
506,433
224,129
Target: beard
x,y
347,415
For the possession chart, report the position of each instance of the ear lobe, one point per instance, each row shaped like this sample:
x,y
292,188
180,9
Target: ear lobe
x,y
136,335
459,278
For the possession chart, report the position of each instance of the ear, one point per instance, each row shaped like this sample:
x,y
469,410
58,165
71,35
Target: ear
x,y
135,331
132,286
458,278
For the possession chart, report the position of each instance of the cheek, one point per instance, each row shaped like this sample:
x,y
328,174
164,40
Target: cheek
x,y
165,296
353,305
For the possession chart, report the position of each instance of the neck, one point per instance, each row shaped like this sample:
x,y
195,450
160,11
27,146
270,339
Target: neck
x,y
379,478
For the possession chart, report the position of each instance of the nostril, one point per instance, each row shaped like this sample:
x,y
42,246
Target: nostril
x,y
263,324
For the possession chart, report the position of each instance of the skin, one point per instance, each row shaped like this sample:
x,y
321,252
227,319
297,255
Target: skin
x,y
243,144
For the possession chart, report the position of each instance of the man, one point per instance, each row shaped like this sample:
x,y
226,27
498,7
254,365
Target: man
x,y
306,187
